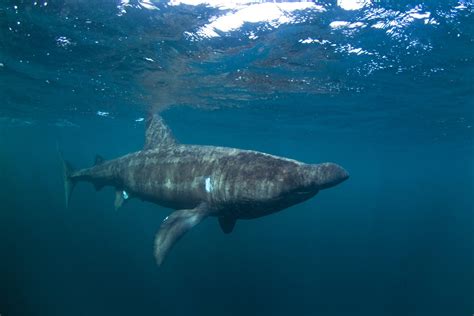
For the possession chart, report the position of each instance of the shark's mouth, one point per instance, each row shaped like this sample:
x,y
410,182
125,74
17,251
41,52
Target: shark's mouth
x,y
303,192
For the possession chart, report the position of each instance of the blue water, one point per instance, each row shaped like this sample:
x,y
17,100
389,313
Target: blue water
x,y
384,89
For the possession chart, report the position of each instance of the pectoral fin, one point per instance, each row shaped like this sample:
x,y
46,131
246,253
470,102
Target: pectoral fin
x,y
174,227
227,223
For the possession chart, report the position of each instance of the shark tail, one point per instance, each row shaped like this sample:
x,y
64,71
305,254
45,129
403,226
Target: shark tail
x,y
69,183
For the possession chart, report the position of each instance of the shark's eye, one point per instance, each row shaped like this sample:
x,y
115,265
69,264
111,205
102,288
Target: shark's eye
x,y
125,195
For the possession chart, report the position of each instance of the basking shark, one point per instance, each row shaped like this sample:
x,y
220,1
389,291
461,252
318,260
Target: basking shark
x,y
203,181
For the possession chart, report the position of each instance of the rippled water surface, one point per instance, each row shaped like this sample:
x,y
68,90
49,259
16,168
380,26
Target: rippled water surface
x,y
385,88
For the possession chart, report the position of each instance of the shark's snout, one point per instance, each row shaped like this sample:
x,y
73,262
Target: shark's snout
x,y
330,174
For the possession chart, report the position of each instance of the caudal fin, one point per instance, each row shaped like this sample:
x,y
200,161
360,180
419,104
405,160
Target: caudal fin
x,y
68,182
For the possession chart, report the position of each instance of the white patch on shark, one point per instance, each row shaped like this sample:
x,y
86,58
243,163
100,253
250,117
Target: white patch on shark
x,y
168,184
208,185
125,195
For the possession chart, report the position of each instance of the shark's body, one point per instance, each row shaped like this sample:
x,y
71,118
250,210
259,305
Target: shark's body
x,y
202,181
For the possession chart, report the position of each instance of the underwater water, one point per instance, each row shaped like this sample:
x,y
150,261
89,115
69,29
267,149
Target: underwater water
x,y
383,88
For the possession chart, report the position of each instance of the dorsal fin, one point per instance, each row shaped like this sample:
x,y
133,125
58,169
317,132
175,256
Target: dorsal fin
x,y
98,160
157,134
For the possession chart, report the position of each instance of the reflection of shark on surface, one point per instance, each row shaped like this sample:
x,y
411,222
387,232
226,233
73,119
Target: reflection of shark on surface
x,y
202,181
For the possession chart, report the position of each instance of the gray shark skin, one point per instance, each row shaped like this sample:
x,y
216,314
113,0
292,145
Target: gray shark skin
x,y
203,181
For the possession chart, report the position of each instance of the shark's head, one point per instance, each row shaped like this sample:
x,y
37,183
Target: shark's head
x,y
324,175
311,178
303,182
